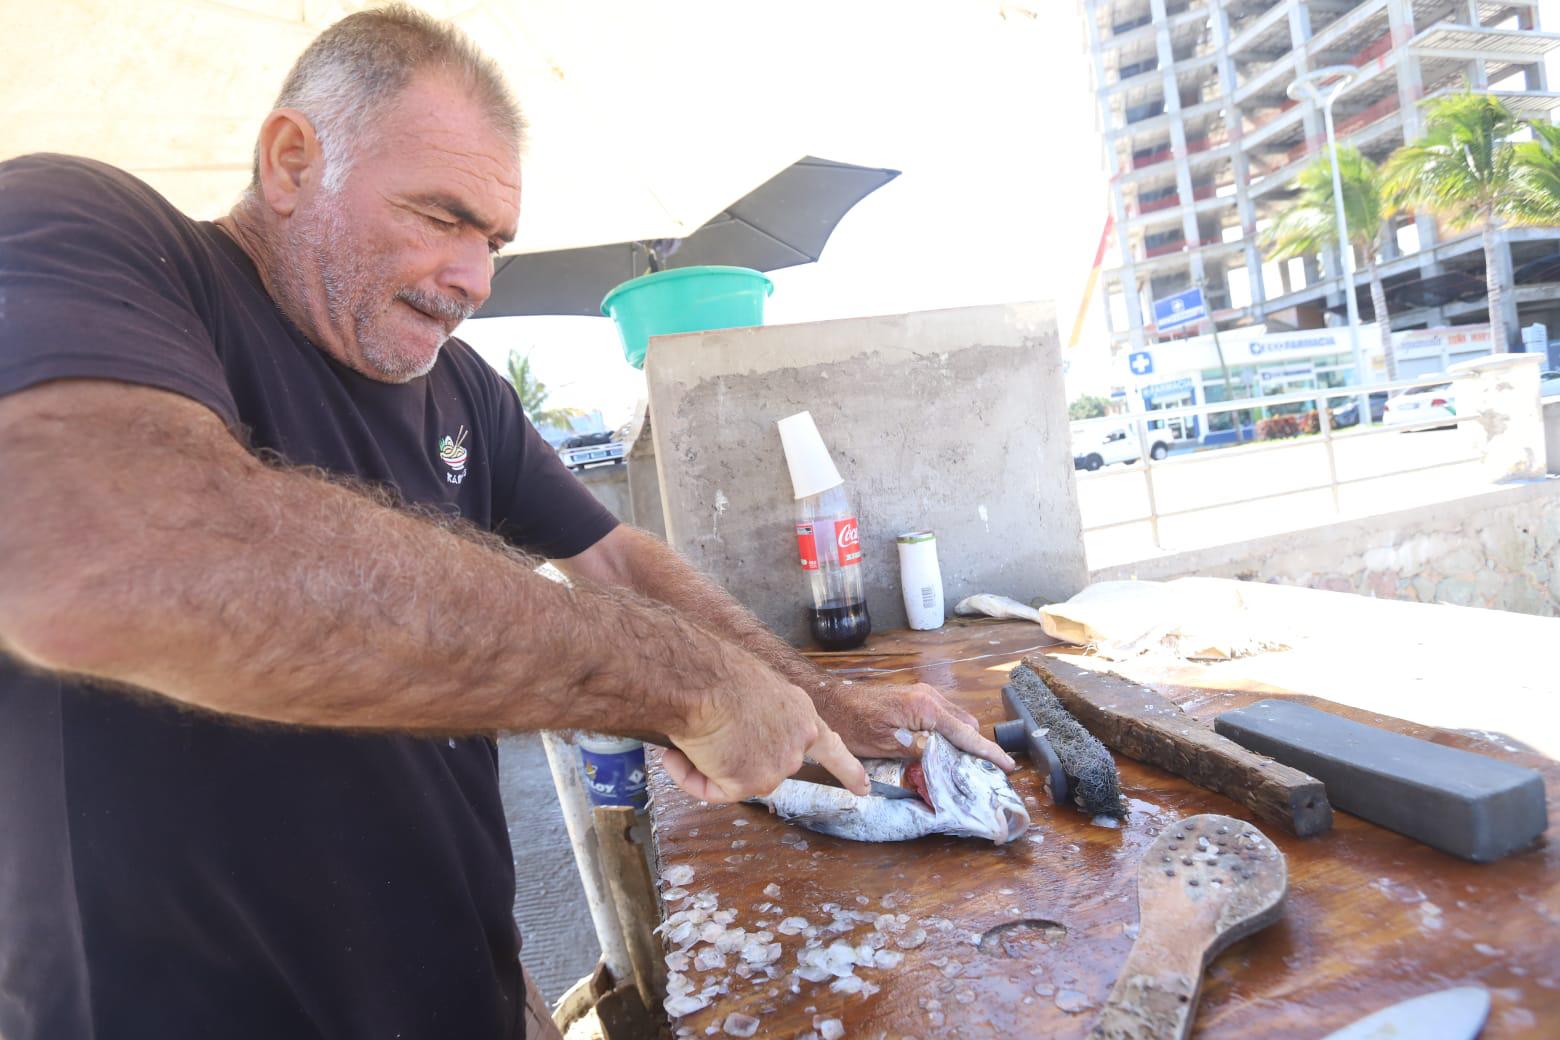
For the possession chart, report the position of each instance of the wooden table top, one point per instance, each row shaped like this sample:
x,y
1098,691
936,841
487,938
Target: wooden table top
x,y
1026,939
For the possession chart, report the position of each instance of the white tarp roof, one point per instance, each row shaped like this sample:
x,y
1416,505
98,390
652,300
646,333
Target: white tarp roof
x,y
646,118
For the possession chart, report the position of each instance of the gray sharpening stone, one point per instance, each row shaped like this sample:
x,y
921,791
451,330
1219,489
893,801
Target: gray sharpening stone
x,y
1469,805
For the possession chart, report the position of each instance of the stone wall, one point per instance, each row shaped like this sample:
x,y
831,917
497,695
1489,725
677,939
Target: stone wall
x,y
953,420
1499,549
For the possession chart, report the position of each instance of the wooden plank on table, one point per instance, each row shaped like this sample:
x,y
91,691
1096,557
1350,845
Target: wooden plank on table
x,y
1027,939
1144,725
633,891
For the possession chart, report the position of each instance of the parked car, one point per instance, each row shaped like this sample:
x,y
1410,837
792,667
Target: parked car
x,y
1348,413
586,440
1094,447
1421,405
1549,384
587,449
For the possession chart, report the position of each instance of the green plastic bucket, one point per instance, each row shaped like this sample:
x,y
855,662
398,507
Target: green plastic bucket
x,y
688,299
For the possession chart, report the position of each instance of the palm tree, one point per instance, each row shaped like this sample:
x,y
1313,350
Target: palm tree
x,y
533,394
1538,175
1463,170
1310,224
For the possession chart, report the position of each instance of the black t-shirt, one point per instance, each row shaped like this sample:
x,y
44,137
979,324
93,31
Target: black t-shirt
x,y
165,873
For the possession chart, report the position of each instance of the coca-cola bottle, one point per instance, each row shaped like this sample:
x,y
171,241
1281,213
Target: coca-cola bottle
x,y
828,538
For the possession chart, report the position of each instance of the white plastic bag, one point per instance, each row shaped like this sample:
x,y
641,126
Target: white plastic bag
x,y
1191,618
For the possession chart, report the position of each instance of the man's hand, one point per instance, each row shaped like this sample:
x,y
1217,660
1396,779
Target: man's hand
x,y
745,738
866,715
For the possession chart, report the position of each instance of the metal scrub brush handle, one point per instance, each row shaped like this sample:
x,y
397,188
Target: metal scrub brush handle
x,y
1021,735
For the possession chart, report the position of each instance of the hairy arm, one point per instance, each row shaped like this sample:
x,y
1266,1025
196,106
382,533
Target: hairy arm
x,y
141,544
865,715
629,558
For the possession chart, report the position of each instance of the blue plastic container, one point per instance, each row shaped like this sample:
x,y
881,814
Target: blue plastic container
x,y
614,769
688,299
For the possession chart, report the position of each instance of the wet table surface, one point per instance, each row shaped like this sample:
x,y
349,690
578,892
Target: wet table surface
x,y
1026,939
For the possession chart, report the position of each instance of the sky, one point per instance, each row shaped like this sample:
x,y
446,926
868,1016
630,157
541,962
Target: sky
x,y
987,109
1001,197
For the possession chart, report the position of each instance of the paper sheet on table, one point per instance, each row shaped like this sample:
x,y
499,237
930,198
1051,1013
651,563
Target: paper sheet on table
x,y
1188,618
1490,672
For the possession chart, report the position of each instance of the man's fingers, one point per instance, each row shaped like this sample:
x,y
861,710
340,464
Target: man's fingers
x,y
933,703
962,715
967,738
686,776
830,752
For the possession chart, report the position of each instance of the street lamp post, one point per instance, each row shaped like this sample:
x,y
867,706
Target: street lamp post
x,y
1322,87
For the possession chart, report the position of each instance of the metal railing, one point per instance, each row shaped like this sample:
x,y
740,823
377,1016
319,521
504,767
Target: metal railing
x,y
1317,398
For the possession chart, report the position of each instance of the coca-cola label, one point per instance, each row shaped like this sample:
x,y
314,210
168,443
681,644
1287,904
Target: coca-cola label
x,y
807,546
847,541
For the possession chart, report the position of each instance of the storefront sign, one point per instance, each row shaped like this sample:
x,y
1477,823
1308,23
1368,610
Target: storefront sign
x,y
1459,339
1174,389
1287,374
1282,346
1254,345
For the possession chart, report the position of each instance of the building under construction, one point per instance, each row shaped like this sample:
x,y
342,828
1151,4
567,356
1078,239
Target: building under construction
x,y
1203,143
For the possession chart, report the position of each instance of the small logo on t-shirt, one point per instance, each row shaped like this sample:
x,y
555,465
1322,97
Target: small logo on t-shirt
x,y
453,454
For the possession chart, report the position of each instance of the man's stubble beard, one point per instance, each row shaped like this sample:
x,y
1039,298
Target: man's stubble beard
x,y
321,245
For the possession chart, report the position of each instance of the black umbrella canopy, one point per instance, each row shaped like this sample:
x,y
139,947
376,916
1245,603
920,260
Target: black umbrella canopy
x,y
783,222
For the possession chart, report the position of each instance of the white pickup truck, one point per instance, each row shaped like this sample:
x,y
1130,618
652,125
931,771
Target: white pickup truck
x,y
1096,446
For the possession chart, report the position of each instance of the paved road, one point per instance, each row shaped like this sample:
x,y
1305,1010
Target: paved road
x,y
1224,475
560,942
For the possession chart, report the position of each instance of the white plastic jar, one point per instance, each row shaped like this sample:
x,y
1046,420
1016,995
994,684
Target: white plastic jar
x,y
920,579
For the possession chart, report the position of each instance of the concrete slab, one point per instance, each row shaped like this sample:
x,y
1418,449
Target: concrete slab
x,y
954,420
644,483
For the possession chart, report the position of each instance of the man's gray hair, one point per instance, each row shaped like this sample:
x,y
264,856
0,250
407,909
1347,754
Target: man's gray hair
x,y
355,69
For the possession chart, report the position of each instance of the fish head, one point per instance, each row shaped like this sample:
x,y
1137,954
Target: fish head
x,y
965,796
970,795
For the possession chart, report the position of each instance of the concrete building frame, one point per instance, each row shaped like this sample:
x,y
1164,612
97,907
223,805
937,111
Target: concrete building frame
x,y
1202,145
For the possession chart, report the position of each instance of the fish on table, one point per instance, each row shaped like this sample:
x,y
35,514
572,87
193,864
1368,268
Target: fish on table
x,y
961,795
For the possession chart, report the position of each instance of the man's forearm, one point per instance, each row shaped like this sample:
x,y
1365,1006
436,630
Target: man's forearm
x,y
657,572
179,563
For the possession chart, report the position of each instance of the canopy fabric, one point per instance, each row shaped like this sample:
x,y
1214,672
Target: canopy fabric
x,y
783,222
645,120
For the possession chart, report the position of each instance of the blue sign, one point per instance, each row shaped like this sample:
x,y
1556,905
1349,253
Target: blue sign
x,y
1141,362
1163,391
1183,308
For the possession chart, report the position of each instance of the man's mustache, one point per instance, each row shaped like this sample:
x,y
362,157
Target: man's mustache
x,y
442,307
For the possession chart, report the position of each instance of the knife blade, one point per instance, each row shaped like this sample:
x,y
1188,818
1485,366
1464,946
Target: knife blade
x,y
813,773
1451,1014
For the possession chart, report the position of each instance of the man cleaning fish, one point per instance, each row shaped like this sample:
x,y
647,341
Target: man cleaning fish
x,y
268,585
